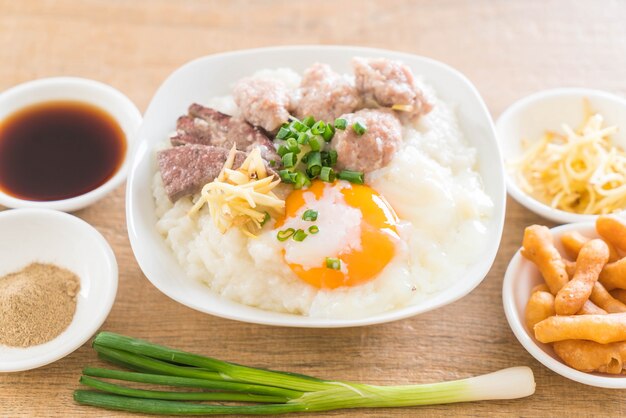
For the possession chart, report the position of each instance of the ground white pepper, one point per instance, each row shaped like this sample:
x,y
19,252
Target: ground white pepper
x,y
37,304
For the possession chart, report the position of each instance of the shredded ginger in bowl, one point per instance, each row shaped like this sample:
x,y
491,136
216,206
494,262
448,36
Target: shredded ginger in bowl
x,y
579,171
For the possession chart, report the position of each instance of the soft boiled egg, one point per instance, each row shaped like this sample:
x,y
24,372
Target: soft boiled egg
x,y
354,225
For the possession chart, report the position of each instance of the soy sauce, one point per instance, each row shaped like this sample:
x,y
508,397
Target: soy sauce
x,y
58,150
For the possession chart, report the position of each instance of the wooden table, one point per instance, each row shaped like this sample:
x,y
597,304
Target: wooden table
x,y
508,49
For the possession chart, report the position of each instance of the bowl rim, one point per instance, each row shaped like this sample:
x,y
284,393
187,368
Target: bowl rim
x,y
82,335
122,101
526,340
513,189
292,320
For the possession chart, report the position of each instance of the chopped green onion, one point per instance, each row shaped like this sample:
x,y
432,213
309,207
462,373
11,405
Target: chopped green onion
x,y
309,215
282,150
272,163
283,132
300,235
289,160
308,121
359,128
292,145
301,180
303,138
332,155
318,128
265,218
333,263
315,143
314,163
313,229
298,126
327,174
341,123
285,234
328,133
287,176
355,177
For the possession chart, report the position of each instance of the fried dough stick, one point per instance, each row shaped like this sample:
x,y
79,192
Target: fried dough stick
x,y
619,294
573,241
538,247
573,295
613,229
589,356
614,275
602,298
603,329
540,306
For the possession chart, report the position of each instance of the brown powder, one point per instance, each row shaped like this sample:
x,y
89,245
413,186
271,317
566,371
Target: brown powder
x,y
37,303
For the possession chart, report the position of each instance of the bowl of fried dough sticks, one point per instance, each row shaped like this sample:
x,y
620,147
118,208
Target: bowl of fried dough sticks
x,y
564,296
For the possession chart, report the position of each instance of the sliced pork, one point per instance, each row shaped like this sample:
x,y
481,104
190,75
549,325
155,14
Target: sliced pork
x,y
325,94
187,168
263,102
388,83
372,150
207,126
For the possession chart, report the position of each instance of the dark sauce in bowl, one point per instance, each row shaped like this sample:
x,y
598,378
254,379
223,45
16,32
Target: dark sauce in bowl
x,y
58,150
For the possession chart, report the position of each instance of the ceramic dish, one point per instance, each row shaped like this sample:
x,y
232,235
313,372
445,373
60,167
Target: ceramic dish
x,y
521,276
42,235
214,76
82,90
531,116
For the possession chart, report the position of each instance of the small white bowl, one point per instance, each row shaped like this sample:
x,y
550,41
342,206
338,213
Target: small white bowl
x,y
531,116
82,90
214,75
41,235
521,276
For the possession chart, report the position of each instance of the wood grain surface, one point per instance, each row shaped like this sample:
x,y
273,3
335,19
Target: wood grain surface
x,y
507,48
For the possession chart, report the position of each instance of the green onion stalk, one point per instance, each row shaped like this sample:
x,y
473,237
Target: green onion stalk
x,y
259,391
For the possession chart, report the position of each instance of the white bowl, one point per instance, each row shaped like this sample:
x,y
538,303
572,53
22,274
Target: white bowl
x,y
30,235
531,116
77,89
214,75
521,276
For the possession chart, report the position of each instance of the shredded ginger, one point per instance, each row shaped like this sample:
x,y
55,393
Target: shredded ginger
x,y
242,198
580,171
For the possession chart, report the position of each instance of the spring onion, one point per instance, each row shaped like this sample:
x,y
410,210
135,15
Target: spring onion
x,y
359,128
308,121
301,180
310,215
314,163
356,177
303,138
340,123
328,133
287,176
333,263
327,174
289,160
300,235
313,229
318,128
292,145
283,133
266,218
315,143
266,391
283,235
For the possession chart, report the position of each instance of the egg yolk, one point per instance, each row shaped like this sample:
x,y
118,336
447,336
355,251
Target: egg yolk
x,y
378,235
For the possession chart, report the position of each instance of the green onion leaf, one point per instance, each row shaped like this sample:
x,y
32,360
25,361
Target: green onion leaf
x,y
309,215
308,121
283,132
292,146
333,263
282,150
313,229
298,126
303,138
265,218
287,176
341,123
359,128
318,128
289,160
272,163
332,155
300,235
356,177
314,163
327,174
285,234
